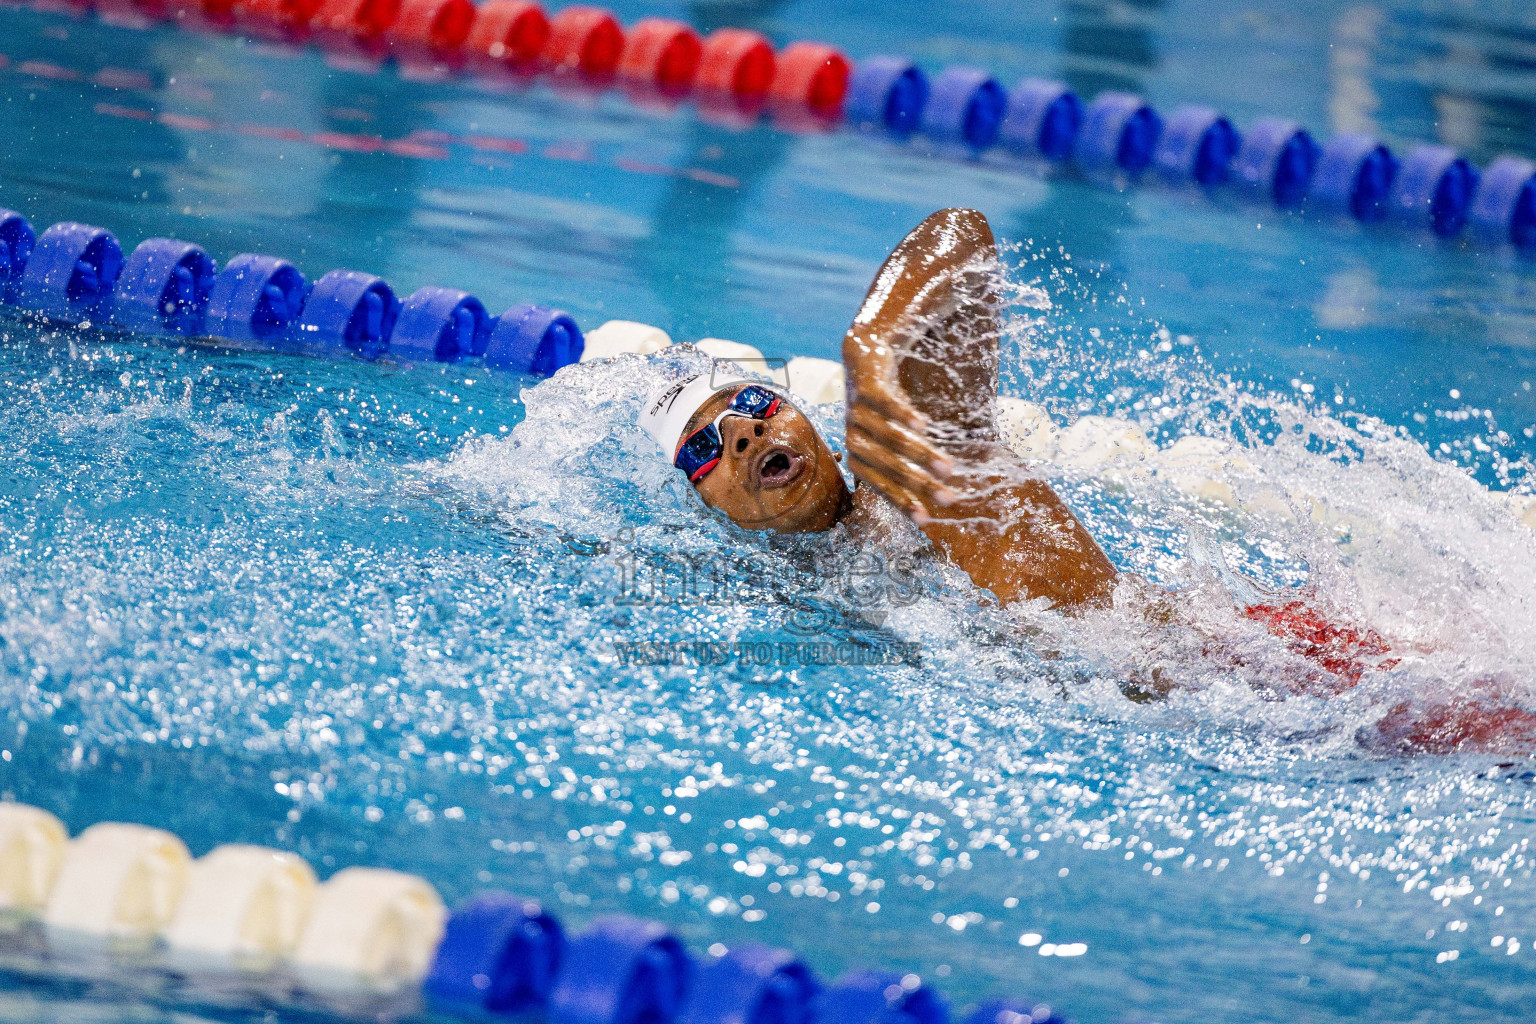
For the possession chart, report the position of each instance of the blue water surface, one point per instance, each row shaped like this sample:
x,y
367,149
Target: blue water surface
x,y
385,614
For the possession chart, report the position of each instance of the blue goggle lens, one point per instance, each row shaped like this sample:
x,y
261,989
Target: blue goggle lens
x,y
701,452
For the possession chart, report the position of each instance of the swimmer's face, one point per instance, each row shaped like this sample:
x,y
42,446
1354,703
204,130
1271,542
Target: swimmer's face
x,y
774,474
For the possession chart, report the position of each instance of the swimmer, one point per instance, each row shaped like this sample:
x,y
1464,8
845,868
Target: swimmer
x,y
922,365
921,359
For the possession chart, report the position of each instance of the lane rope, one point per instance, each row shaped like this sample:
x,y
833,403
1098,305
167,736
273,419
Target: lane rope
x,y
370,930
734,75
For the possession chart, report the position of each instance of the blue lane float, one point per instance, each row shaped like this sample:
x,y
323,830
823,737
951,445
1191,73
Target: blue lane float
x,y
1504,207
164,287
534,339
1434,189
1277,160
754,984
255,299
440,325
1197,145
349,312
886,94
880,997
1118,136
76,272
1042,120
1120,132
1008,1011
16,241
1354,176
890,94
622,971
965,107
500,955
71,272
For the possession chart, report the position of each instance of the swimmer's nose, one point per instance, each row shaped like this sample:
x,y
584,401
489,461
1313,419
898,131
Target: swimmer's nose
x,y
739,435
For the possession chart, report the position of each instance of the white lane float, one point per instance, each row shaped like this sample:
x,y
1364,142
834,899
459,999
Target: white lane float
x,y
744,356
119,881
244,902
1103,442
1027,428
624,337
32,847
1523,507
1203,467
370,929
817,381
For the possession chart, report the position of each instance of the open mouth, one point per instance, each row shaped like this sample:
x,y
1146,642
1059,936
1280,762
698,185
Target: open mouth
x,y
778,467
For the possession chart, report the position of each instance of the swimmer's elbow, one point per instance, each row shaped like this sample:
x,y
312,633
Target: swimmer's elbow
x,y
1146,687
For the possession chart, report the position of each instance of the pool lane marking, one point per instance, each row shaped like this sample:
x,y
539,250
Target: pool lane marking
x,y
107,76
557,151
328,140
419,145
484,143
49,70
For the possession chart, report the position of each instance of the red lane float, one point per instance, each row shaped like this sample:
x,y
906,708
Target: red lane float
x,y
584,40
507,34
205,16
662,54
353,24
286,20
130,12
811,75
735,72
431,29
736,62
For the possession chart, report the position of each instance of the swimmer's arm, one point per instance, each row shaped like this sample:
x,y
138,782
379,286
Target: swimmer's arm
x,y
919,429
1012,535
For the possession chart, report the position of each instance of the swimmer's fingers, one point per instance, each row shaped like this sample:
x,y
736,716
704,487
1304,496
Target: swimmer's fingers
x,y
888,488
883,468
887,402
909,444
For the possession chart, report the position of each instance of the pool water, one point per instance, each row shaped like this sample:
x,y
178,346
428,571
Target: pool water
x,y
427,617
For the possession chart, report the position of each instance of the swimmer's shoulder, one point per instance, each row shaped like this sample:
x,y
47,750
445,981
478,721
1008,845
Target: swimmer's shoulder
x,y
872,518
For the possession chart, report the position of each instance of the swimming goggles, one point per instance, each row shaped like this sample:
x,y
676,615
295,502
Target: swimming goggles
x,y
702,449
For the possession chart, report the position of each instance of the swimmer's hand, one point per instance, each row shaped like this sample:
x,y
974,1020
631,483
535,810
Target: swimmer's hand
x,y
921,363
890,446
921,359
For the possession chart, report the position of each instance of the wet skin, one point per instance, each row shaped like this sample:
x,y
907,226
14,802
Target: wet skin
x,y
922,371
774,474
921,359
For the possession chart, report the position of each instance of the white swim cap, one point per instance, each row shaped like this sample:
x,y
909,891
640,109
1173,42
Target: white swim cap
x,y
666,413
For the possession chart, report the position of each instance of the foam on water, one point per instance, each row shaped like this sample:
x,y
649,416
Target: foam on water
x,y
386,615
1358,514
1354,515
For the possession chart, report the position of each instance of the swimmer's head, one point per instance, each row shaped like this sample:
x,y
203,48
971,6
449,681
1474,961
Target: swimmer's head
x,y
749,453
